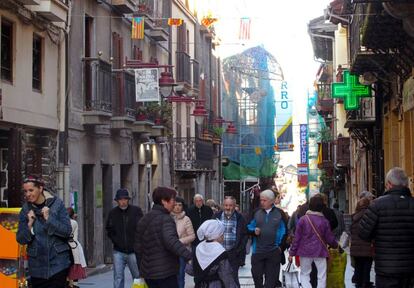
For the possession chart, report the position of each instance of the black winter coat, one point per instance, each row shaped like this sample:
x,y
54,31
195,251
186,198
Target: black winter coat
x,y
120,227
157,245
389,221
198,216
359,247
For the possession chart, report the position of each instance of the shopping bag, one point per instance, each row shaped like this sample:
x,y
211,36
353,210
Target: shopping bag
x,y
139,283
344,239
336,269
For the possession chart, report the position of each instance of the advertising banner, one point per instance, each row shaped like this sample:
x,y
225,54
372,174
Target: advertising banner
x,y
284,118
303,175
146,85
303,143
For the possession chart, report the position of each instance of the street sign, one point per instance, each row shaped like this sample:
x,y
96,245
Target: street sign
x,y
350,90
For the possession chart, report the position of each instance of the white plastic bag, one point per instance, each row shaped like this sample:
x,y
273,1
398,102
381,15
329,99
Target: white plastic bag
x,y
344,239
139,283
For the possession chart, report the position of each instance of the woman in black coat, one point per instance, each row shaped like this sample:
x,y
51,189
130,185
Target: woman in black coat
x,y
157,244
361,250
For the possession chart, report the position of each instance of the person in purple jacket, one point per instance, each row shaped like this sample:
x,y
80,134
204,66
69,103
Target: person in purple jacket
x,y
312,236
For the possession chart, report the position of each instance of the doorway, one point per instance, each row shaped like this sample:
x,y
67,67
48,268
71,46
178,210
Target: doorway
x,y
88,209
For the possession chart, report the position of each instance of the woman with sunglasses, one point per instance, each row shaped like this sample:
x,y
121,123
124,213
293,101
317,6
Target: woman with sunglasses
x,y
44,226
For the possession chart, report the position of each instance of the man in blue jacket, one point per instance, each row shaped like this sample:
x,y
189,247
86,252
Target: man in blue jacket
x,y
268,229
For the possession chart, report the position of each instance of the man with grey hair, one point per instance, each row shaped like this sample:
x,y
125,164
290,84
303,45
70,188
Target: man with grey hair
x,y
268,230
198,213
389,223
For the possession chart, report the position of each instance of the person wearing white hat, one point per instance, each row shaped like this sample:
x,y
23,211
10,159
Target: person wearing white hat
x,y
211,265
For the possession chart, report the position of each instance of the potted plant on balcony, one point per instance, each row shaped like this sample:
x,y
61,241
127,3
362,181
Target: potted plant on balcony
x,y
217,134
154,112
141,113
142,6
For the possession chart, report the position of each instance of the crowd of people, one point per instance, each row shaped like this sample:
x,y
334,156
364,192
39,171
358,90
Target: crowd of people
x,y
210,243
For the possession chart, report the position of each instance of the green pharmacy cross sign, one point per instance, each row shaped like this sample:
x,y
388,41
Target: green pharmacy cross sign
x,y
350,90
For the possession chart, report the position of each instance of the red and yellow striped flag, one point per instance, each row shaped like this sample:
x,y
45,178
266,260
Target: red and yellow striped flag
x,y
137,31
208,21
175,21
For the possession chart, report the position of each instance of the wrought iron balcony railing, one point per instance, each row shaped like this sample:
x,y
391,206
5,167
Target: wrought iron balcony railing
x,y
124,94
183,68
97,85
184,153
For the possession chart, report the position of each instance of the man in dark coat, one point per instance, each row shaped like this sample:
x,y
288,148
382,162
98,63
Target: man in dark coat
x,y
198,213
120,226
235,234
389,222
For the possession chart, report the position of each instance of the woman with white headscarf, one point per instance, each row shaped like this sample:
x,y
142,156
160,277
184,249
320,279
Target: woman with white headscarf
x,y
211,266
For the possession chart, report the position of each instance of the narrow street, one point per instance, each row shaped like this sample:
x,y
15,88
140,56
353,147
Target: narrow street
x,y
105,279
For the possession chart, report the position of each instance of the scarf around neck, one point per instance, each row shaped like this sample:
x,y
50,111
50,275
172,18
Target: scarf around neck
x,y
207,252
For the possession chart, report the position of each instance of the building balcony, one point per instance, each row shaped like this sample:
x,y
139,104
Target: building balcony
x,y
123,99
374,35
191,154
183,71
326,160
98,92
124,6
29,2
53,10
362,118
195,67
159,34
343,152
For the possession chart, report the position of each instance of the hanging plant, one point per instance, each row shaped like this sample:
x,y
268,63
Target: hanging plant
x,y
325,135
218,131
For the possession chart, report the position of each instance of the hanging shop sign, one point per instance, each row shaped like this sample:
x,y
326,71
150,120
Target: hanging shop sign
x,y
302,175
351,91
284,119
303,143
146,85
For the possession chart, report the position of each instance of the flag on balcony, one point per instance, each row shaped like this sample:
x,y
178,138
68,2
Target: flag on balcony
x,y
207,21
320,159
244,33
175,21
137,31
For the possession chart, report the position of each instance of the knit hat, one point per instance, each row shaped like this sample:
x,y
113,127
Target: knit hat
x,y
122,194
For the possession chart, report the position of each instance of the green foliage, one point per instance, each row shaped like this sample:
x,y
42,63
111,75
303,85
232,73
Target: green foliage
x,y
218,131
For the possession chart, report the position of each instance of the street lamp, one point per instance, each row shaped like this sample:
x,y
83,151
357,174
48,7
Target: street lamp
x,y
166,83
199,112
231,129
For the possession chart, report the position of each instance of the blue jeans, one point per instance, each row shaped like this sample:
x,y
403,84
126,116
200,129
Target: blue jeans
x,y
120,261
181,274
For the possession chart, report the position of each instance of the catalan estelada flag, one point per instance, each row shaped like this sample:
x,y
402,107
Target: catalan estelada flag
x,y
175,21
137,31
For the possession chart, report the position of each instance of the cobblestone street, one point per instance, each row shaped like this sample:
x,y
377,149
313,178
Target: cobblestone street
x,y
105,279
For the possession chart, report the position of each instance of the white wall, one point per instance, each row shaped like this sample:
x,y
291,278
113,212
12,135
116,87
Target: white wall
x,y
20,103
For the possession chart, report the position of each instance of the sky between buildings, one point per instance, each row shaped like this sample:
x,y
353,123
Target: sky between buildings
x,y
281,27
